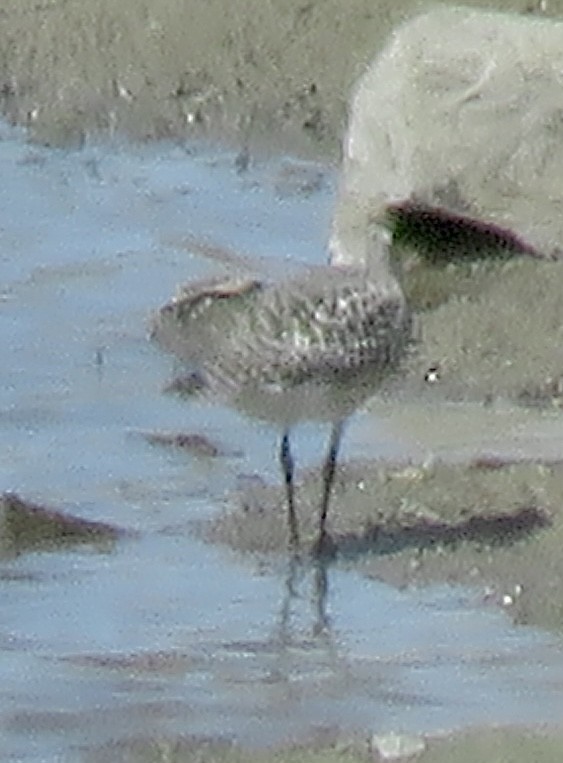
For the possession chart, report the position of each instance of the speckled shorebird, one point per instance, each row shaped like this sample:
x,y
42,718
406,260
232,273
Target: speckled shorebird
x,y
310,348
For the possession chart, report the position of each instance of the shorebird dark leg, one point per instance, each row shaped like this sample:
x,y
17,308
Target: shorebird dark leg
x,y
286,460
324,545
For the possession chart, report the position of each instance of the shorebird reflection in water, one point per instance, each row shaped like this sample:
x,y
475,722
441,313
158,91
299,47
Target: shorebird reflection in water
x,y
312,347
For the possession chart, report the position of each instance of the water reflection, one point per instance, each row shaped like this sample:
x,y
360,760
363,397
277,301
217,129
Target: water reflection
x,y
296,571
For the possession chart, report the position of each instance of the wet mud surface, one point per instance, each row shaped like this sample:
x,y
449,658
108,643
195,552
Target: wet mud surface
x,y
508,744
259,76
490,524
495,336
159,634
160,628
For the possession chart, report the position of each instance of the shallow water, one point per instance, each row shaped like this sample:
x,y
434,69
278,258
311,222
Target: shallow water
x,y
167,635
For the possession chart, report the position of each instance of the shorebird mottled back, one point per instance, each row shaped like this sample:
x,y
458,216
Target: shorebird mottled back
x,y
313,347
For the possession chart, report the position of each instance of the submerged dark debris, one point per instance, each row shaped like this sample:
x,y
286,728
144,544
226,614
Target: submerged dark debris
x,y
27,526
195,443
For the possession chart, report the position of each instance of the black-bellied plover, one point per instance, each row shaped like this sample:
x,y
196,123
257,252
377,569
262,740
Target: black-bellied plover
x,y
310,348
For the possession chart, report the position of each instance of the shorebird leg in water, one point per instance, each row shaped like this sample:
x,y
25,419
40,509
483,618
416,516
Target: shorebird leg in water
x,y
324,545
287,465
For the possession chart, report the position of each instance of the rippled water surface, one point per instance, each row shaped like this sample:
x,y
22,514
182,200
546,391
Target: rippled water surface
x,y
165,635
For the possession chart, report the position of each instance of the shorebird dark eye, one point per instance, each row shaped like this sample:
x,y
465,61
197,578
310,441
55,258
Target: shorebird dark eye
x,y
168,309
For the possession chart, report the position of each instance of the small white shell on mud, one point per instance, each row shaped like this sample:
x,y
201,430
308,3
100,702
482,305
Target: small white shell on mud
x,y
396,746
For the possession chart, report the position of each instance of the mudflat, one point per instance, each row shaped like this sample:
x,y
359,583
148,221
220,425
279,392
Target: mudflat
x,y
274,78
263,75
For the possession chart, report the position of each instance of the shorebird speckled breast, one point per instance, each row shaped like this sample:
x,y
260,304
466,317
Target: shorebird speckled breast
x,y
312,347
